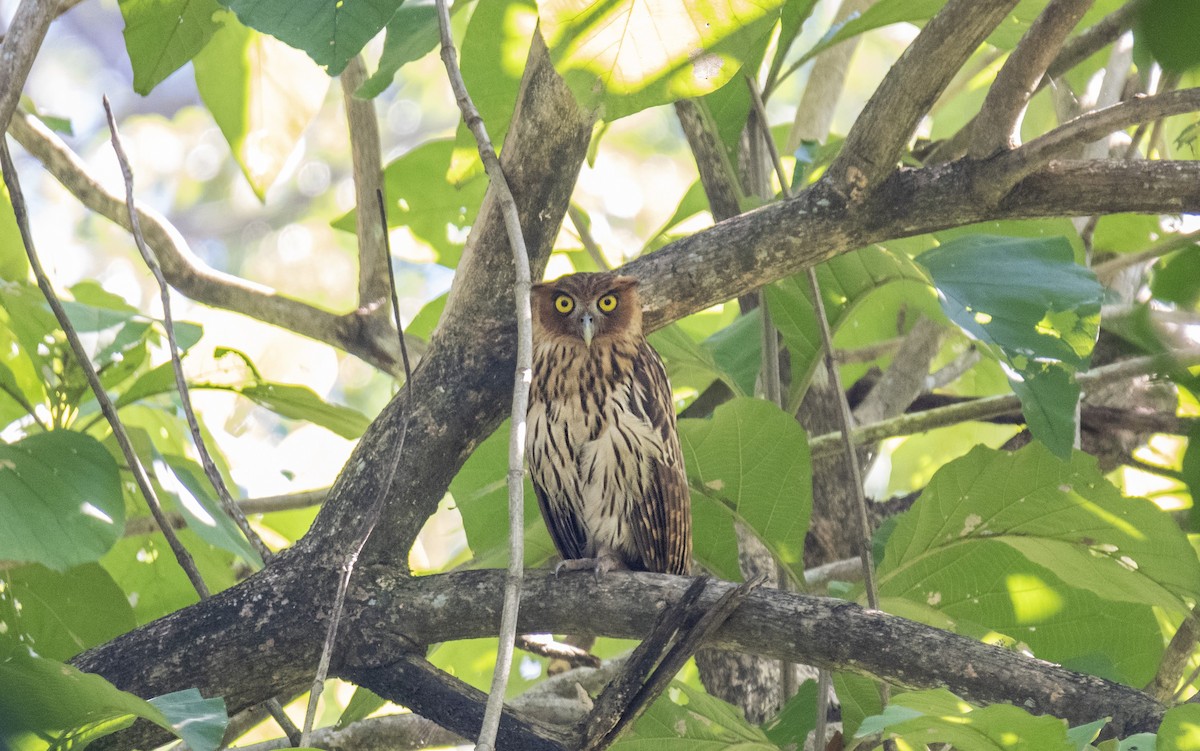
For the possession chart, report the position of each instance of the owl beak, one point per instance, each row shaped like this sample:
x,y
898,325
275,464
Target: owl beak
x,y
589,328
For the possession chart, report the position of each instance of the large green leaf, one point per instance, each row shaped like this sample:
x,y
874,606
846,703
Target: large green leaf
x,y
330,32
480,491
262,93
198,721
1180,729
622,56
411,34
938,716
752,458
427,204
731,355
1169,29
43,700
62,614
685,718
859,697
1048,552
847,281
183,484
60,498
302,403
144,567
1035,308
162,35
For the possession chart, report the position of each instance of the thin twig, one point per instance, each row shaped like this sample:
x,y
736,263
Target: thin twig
x,y
370,521
520,402
89,371
580,221
1108,269
210,468
164,292
144,525
993,406
835,378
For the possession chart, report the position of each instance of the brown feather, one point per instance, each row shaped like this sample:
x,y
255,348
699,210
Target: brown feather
x,y
603,448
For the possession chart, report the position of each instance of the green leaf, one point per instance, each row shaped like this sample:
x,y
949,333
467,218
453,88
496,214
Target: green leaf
x,y
1048,398
753,458
330,32
198,721
847,281
1177,278
1034,307
494,51
162,35
1180,729
1025,296
361,704
14,264
411,34
623,56
1083,735
262,93
480,491
183,483
859,697
144,566
43,700
737,350
797,718
427,204
1169,29
1048,552
685,718
60,498
938,716
62,614
302,403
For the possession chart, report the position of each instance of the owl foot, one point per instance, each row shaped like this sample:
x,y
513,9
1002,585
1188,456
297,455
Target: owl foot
x,y
600,565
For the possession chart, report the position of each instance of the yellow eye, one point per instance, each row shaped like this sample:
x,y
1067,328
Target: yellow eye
x,y
607,304
564,304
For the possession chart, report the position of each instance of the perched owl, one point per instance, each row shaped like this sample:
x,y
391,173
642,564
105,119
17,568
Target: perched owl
x,y
603,449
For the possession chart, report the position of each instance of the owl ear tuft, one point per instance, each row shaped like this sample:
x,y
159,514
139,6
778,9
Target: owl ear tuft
x,y
625,282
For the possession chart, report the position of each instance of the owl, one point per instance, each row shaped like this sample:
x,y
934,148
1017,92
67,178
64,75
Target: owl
x,y
602,448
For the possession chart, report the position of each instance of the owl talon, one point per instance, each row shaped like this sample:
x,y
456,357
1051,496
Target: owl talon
x,y
599,565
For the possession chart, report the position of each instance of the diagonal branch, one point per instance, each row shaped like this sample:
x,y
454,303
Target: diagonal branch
x,y
185,271
19,47
873,145
1009,168
1000,117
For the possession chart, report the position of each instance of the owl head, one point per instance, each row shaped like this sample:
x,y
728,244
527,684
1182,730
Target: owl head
x,y
587,307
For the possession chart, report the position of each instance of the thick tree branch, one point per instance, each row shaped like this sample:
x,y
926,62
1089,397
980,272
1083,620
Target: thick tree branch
x,y
19,47
395,614
1009,168
910,88
186,272
1000,117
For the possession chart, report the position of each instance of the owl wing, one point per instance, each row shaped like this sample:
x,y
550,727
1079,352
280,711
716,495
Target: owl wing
x,y
662,523
565,526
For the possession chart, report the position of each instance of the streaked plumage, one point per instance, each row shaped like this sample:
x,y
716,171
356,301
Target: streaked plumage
x,y
603,448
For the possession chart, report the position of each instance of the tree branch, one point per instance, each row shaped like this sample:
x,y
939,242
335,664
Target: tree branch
x,y
185,271
374,265
393,614
913,84
999,119
19,47
1009,168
